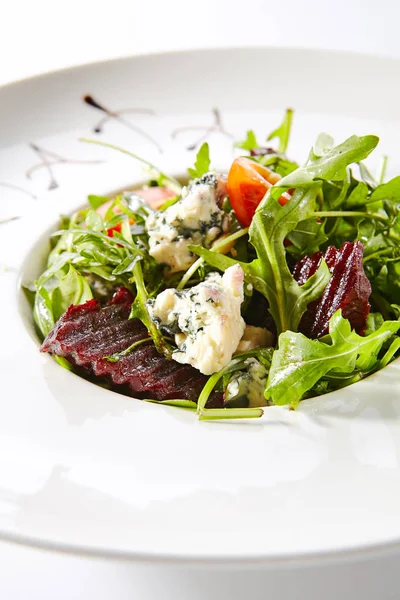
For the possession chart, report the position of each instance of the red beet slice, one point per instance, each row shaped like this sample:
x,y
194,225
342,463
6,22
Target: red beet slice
x,y
348,289
85,334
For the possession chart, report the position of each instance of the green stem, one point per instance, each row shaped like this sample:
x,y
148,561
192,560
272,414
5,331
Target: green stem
x,y
217,246
382,170
393,236
169,178
236,364
378,254
348,213
115,357
209,414
116,241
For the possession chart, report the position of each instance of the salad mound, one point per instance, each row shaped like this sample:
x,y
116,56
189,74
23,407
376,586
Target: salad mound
x,y
268,285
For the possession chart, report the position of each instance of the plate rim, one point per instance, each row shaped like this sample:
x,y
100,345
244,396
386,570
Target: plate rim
x,y
304,558
199,49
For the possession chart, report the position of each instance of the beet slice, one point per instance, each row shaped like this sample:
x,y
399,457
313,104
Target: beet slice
x,y
86,333
348,289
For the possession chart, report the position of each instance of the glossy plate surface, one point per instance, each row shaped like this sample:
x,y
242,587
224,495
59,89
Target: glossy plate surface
x,y
87,469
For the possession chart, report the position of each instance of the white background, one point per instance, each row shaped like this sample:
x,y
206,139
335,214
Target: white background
x,y
42,35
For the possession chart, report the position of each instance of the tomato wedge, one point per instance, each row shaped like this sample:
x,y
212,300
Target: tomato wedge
x,y
248,182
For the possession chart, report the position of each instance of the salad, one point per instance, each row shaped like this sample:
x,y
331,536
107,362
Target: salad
x,y
231,292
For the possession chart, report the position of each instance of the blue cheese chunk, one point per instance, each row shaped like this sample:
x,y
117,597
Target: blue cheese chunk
x,y
249,384
205,319
195,219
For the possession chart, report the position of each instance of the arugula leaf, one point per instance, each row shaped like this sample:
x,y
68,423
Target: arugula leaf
x,y
366,176
307,238
358,196
202,162
249,143
43,311
278,163
283,131
94,221
387,191
168,203
72,289
374,321
140,311
96,201
388,279
332,165
324,143
271,224
55,296
299,363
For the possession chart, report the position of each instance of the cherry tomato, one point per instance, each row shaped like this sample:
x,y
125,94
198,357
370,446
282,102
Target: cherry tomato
x,y
248,182
117,227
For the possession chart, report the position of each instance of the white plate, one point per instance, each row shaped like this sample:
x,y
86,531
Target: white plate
x,y
83,468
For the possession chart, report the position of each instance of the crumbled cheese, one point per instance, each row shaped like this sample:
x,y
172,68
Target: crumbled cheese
x,y
205,319
248,384
195,219
254,337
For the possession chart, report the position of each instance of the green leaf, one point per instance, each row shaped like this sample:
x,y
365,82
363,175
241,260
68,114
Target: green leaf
x,y
202,162
387,191
96,201
390,353
72,289
140,311
307,238
94,221
283,131
324,143
270,226
366,176
299,363
278,163
43,311
388,280
168,203
332,165
249,143
374,321
358,196
55,296
126,266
